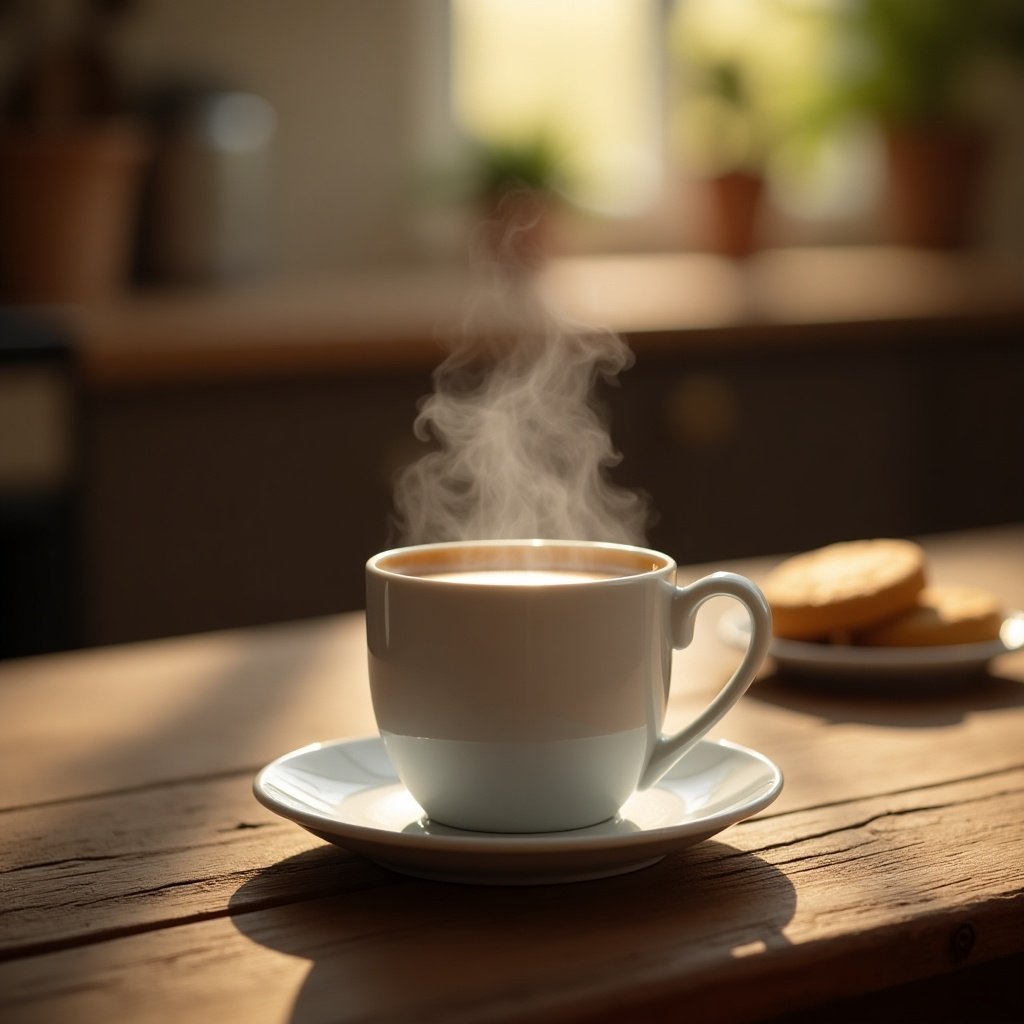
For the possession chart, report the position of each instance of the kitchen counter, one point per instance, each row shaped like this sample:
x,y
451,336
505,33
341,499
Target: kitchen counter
x,y
399,320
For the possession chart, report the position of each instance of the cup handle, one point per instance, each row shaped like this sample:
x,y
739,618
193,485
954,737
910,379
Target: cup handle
x,y
685,603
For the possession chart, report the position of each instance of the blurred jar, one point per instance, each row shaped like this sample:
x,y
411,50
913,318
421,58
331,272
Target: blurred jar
x,y
71,156
67,212
208,209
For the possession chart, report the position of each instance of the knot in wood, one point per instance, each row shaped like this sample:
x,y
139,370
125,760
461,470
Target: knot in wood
x,y
962,942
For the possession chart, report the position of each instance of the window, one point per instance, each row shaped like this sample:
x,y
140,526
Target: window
x,y
585,74
644,97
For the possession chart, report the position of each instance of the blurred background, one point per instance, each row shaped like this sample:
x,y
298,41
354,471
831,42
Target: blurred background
x,y
234,235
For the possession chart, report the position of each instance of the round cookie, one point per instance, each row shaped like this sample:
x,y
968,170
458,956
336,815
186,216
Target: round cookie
x,y
944,614
842,587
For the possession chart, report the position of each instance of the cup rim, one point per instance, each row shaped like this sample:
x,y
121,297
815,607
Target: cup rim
x,y
608,556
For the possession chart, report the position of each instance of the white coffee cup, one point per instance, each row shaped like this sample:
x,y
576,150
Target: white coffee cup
x,y
521,686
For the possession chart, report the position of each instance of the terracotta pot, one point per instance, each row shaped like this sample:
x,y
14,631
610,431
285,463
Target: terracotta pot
x,y
67,212
934,183
734,203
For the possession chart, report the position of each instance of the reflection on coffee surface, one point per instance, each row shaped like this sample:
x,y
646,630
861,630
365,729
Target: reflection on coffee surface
x,y
523,577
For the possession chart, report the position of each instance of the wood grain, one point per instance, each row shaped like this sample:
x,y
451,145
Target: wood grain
x,y
778,902
123,717
140,880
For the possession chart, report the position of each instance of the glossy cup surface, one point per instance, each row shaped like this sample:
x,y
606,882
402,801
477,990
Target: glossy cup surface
x,y
523,707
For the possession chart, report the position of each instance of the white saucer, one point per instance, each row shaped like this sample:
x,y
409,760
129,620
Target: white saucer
x,y
841,660
347,793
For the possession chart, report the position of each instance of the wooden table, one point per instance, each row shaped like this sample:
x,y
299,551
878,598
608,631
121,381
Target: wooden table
x,y
142,882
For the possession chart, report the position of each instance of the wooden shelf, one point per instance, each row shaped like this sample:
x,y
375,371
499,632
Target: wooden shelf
x,y
399,320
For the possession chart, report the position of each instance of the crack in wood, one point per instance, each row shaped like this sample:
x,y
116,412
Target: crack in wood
x,y
179,884
145,787
124,897
113,933
836,856
85,858
920,787
130,856
881,816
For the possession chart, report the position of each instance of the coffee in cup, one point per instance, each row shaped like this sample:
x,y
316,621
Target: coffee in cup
x,y
521,686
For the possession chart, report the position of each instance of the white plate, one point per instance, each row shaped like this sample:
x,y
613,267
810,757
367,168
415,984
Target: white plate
x,y
347,793
838,659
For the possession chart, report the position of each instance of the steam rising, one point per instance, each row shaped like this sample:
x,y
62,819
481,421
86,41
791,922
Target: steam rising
x,y
520,449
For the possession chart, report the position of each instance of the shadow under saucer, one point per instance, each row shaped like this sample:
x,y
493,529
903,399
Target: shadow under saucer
x,y
358,925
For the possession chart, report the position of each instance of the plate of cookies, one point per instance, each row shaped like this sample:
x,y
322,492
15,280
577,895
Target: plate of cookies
x,y
868,608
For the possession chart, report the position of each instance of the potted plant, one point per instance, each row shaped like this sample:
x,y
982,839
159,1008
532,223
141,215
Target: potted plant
x,y
737,66
909,66
729,144
515,185
70,161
